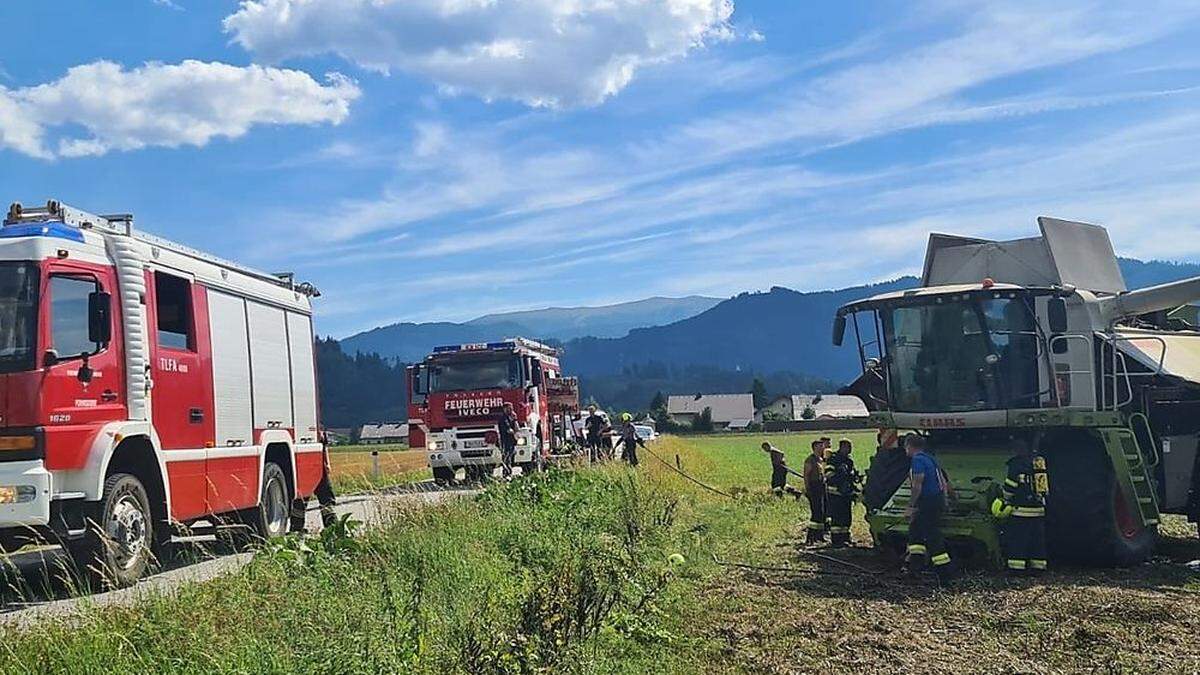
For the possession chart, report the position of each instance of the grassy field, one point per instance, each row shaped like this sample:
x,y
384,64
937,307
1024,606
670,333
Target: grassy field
x,y
355,471
364,447
606,570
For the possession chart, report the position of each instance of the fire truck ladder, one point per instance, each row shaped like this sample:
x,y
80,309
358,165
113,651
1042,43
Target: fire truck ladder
x,y
122,224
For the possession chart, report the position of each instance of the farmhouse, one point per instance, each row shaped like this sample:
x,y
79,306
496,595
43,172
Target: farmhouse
x,y
728,410
823,406
379,434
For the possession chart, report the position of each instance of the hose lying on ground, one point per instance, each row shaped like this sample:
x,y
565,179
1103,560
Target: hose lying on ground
x,y
683,473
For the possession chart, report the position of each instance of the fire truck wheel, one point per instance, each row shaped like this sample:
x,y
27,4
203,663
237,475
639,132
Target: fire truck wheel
x,y
116,550
271,518
444,475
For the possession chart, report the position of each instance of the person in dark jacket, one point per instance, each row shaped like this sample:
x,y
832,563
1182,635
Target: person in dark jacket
x,y
593,428
508,428
841,491
1022,511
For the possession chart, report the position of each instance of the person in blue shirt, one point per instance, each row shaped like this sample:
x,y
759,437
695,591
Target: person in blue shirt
x,y
926,545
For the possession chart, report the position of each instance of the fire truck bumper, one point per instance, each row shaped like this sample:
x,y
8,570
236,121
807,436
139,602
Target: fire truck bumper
x,y
24,494
447,451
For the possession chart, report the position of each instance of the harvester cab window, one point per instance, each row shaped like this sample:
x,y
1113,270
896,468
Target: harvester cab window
x,y
962,356
69,315
173,307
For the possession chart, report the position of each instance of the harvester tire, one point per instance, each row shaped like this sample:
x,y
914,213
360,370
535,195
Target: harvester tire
x,y
1087,519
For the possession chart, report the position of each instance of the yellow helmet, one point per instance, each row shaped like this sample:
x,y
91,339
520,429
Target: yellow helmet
x,y
626,417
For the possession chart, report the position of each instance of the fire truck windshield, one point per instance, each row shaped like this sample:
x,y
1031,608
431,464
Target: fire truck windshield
x,y
18,316
475,374
977,354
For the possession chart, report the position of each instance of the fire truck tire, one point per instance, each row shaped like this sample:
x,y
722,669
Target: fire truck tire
x,y
444,475
116,550
1087,520
270,519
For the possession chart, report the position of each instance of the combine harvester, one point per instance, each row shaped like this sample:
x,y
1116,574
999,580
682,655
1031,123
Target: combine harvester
x,y
145,386
1036,340
457,394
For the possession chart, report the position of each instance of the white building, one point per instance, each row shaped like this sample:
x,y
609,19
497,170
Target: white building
x,y
735,410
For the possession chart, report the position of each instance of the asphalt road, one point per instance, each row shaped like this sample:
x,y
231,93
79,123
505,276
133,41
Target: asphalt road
x,y
37,568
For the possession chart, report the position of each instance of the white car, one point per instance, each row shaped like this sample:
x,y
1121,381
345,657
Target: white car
x,y
645,432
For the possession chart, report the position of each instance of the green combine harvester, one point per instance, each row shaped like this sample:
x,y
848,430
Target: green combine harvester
x,y
1035,340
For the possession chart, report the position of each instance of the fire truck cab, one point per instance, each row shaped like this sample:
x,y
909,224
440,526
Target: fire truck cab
x,y
145,386
456,397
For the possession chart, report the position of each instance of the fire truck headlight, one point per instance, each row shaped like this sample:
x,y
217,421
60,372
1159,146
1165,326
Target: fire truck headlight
x,y
433,445
17,494
522,441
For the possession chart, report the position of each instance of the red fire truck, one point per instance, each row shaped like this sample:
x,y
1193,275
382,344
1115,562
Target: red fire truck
x,y
146,385
457,394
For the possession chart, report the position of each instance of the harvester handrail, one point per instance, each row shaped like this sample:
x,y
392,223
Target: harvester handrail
x,y
1120,365
1090,372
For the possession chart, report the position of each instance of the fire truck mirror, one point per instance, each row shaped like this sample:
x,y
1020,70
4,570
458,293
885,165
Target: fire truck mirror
x,y
50,358
99,317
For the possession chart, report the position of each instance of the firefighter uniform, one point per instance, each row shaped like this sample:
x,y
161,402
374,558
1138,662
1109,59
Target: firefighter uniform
x,y
1022,511
926,545
814,490
841,489
779,470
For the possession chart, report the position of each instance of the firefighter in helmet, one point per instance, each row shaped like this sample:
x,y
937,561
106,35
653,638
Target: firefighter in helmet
x,y
629,440
841,490
1022,511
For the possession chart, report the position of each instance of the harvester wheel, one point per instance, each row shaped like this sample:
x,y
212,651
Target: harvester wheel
x,y
1088,519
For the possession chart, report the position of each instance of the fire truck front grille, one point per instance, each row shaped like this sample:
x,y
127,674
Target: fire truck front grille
x,y
484,452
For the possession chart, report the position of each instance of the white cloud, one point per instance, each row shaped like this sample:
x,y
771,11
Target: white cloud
x,y
546,53
162,105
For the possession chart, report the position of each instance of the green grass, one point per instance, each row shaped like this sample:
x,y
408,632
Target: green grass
x,y
577,572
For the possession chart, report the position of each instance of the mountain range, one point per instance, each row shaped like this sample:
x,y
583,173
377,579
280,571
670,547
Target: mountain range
x,y
412,341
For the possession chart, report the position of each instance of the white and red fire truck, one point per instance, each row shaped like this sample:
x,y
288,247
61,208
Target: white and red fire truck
x,y
456,397
145,385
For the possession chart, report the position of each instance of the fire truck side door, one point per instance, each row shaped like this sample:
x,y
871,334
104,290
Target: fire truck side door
x,y
75,409
182,395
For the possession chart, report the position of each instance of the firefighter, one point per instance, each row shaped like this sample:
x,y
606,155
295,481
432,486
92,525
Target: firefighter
x,y
629,440
929,489
841,490
593,428
325,498
814,490
779,469
508,427
1022,511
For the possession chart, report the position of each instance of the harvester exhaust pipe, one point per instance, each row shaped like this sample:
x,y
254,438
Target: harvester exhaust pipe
x,y
1151,299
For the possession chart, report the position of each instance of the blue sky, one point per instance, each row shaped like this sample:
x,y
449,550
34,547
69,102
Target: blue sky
x,y
440,159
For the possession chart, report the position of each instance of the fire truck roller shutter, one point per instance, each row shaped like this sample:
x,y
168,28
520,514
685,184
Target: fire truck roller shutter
x,y
309,463
270,374
231,369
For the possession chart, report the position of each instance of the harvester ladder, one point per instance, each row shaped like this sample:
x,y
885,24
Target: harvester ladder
x,y
1132,471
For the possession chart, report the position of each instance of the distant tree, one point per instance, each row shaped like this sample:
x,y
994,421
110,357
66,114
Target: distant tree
x,y
808,413
703,423
759,392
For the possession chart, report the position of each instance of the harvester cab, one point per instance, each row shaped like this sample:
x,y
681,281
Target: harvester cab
x,y
1036,340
